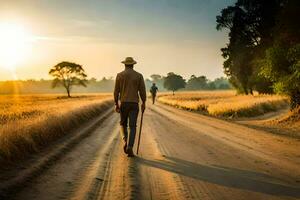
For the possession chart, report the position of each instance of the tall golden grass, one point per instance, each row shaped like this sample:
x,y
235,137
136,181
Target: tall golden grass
x,y
225,103
29,122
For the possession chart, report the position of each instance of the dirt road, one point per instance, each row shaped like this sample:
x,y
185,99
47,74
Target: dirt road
x,y
183,155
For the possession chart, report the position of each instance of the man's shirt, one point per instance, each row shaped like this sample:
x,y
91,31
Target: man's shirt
x,y
129,86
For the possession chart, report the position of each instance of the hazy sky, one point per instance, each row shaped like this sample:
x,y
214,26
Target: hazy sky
x,y
162,35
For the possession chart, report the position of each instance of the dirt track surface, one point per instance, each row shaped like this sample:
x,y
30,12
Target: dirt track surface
x,y
183,155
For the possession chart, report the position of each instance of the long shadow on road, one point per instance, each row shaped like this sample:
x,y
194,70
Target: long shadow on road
x,y
225,176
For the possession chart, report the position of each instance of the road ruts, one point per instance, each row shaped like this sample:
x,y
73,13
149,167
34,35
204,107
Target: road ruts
x,y
183,155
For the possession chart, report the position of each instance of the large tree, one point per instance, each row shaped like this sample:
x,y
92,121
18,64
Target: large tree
x,y
282,63
197,83
250,24
68,74
174,82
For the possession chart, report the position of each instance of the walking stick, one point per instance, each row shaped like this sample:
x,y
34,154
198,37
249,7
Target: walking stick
x,y
140,132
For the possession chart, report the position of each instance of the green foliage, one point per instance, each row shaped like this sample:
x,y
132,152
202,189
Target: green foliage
x,y
222,83
263,85
283,67
202,83
250,24
197,83
264,46
211,86
174,82
282,61
68,74
194,83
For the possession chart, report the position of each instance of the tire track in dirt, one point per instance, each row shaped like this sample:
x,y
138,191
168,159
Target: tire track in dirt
x,y
121,180
184,161
165,125
211,169
249,141
67,173
156,182
15,179
89,186
137,178
182,156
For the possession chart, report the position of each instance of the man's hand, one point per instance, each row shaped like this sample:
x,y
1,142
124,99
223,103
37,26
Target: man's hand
x,y
143,106
117,108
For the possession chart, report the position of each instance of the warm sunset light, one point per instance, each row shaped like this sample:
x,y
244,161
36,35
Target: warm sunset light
x,y
145,99
15,44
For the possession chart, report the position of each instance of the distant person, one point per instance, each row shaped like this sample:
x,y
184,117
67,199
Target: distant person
x,y
153,91
129,86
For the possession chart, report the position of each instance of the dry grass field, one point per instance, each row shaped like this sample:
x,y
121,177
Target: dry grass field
x,y
28,122
225,103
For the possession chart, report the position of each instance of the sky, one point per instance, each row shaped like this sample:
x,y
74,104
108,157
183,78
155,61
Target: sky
x,y
162,35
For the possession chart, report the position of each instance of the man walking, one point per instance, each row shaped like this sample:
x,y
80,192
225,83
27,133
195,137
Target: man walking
x,y
129,86
153,91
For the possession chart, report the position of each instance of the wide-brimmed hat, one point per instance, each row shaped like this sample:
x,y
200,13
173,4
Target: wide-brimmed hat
x,y
129,61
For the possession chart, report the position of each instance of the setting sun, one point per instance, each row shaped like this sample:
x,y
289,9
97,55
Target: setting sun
x,y
15,44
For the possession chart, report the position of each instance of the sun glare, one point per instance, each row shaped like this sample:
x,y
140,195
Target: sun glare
x,y
14,45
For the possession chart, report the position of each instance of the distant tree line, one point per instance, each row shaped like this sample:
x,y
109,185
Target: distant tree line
x,y
263,52
174,82
46,86
107,85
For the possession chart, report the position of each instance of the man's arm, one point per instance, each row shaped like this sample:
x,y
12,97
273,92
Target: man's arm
x,y
142,92
117,92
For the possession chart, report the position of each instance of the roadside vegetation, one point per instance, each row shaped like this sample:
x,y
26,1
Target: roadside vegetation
x,y
225,103
290,122
30,122
263,52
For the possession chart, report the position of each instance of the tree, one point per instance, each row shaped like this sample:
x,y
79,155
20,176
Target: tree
x,y
222,83
158,80
250,24
197,83
92,80
156,77
174,82
282,62
211,86
263,85
68,74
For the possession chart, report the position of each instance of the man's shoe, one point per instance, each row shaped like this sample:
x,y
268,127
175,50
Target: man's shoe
x,y
130,152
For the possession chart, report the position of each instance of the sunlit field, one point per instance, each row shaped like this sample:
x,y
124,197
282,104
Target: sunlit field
x,y
225,103
30,122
